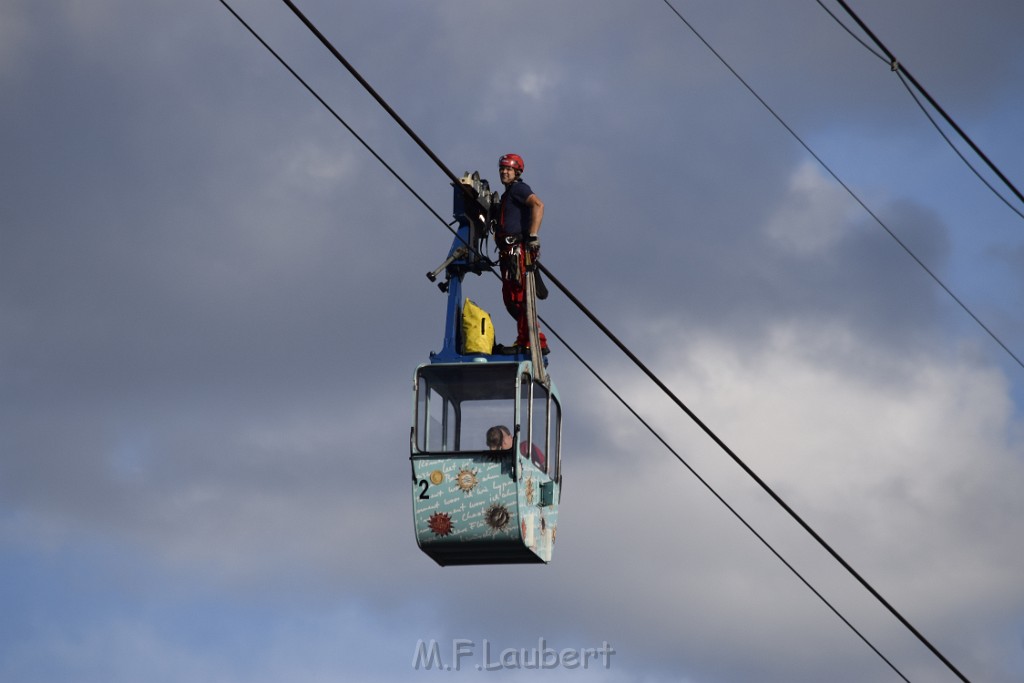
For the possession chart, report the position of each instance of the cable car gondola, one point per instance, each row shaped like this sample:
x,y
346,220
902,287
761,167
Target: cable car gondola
x,y
475,503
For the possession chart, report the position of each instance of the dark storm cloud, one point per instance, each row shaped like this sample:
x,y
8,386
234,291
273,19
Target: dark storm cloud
x,y
212,301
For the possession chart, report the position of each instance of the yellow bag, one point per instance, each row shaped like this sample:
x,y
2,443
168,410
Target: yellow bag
x,y
477,330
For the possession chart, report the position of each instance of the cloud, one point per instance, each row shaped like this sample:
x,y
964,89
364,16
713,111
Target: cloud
x,y
15,36
807,224
212,300
860,455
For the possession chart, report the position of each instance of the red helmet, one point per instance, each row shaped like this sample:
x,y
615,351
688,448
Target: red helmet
x,y
512,161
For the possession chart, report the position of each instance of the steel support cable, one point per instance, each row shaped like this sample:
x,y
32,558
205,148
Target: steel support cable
x,y
847,188
711,489
753,475
332,111
553,332
924,110
850,31
892,610
952,146
622,347
895,65
369,88
469,195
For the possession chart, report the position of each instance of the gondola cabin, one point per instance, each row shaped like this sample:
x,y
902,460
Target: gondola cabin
x,y
472,504
485,443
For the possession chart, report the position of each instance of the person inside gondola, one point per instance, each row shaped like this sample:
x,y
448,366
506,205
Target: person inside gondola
x,y
499,438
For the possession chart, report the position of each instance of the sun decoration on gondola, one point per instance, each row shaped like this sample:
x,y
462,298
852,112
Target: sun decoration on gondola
x,y
497,517
529,490
440,523
466,479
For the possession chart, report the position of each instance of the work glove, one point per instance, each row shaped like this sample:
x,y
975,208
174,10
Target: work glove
x,y
533,244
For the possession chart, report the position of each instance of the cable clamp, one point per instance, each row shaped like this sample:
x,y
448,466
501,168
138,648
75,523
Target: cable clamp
x,y
894,64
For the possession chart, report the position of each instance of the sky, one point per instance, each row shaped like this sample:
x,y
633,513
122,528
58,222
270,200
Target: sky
x,y
212,303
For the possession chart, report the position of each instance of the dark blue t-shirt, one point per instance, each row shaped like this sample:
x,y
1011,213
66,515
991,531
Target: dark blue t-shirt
x,y
516,215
